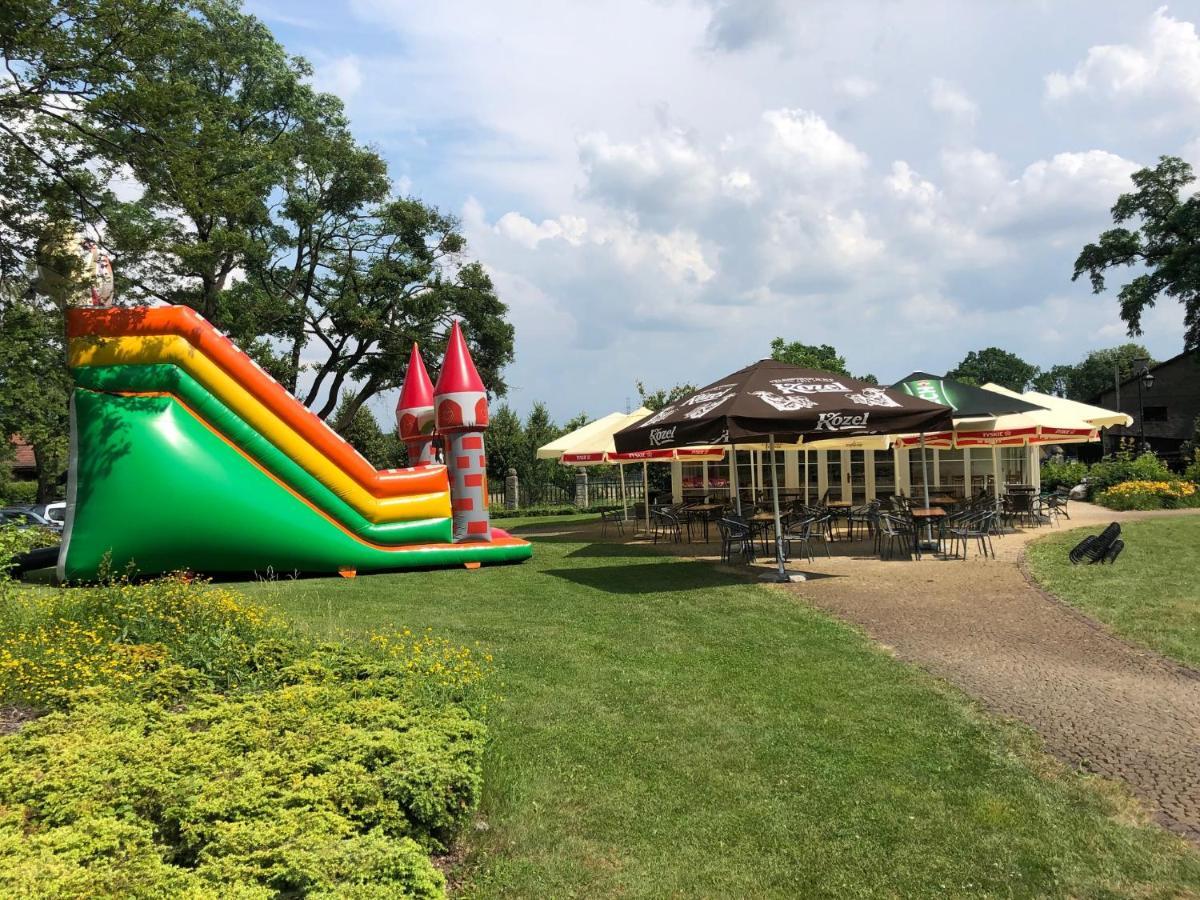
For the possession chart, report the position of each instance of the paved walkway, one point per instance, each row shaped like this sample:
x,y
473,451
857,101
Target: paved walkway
x,y
1098,702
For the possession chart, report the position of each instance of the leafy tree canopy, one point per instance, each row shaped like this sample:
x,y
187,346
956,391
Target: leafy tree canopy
x,y
381,449
34,385
662,397
996,366
1158,235
185,138
814,356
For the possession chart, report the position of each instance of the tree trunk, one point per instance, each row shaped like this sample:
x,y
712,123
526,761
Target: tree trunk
x,y
47,475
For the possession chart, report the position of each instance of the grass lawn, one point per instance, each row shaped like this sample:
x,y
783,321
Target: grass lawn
x,y
1152,594
669,730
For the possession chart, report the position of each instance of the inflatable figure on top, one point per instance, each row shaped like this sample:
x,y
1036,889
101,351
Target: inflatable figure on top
x,y
185,455
462,416
97,273
414,411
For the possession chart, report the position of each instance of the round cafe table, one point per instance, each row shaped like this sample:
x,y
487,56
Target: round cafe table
x,y
927,515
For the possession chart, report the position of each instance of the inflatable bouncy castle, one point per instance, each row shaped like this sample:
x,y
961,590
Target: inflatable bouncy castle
x,y
186,455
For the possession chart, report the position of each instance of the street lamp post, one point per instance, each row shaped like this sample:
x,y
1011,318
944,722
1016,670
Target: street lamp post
x,y
1144,377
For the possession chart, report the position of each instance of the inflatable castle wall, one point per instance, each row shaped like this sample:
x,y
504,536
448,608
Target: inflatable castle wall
x,y
185,455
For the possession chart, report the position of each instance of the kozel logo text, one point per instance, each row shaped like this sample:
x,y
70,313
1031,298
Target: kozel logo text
x,y
659,436
841,422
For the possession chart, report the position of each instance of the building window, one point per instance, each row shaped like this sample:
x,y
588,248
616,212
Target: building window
x,y
1155,413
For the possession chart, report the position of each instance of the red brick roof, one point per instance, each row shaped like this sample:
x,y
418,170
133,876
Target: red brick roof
x,y
23,455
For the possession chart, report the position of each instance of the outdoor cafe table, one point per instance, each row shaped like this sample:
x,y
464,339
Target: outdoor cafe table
x,y
700,512
927,514
840,509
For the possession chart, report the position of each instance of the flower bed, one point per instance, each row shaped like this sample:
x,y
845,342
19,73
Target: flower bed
x,y
1171,494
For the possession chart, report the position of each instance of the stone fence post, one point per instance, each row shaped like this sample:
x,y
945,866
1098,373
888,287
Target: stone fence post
x,y
512,496
581,488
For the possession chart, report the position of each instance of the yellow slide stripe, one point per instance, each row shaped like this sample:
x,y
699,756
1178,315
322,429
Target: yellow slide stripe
x,y
177,351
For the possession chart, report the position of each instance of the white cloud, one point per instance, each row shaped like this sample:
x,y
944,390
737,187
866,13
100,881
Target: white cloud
x,y
821,173
856,87
802,140
1164,65
342,76
948,98
516,227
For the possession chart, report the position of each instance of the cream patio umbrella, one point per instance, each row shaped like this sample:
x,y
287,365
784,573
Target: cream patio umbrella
x,y
1032,427
592,445
1096,415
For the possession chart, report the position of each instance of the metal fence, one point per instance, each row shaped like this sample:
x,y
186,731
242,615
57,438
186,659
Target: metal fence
x,y
600,491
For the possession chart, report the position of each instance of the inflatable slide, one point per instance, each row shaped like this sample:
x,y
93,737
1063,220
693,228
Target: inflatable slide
x,y
186,455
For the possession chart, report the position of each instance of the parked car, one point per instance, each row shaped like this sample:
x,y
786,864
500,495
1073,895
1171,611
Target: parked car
x,y
55,512
24,518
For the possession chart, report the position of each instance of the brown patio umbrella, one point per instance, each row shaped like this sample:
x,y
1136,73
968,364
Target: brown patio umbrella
x,y
773,401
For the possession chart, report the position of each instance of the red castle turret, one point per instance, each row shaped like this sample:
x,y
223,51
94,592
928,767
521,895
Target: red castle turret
x,y
462,415
414,411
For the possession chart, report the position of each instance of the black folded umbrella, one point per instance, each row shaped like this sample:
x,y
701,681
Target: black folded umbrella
x,y
773,401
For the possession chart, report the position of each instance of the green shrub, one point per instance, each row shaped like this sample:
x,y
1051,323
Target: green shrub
x,y
323,786
1124,466
19,493
117,634
14,541
528,511
1192,472
201,749
1062,474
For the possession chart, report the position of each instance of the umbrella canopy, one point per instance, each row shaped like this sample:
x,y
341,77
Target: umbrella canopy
x,y
1096,415
592,445
591,441
967,400
1017,427
775,400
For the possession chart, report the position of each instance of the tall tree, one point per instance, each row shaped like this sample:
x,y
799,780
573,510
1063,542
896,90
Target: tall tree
x,y
663,397
1095,374
251,201
400,278
997,366
1158,234
34,385
381,449
814,356
540,429
505,443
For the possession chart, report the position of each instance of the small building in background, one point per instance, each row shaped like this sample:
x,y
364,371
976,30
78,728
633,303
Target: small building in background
x,y
1171,407
22,463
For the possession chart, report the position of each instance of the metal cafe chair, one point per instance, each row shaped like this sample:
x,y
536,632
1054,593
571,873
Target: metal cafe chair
x,y
802,533
736,538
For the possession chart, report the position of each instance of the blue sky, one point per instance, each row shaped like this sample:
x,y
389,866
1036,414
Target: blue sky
x,y
660,188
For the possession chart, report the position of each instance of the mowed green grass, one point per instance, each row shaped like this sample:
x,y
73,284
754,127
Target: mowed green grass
x,y
1151,595
672,731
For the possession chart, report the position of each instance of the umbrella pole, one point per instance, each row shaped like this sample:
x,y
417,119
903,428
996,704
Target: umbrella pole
x,y
646,495
780,574
995,471
624,501
925,486
733,479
